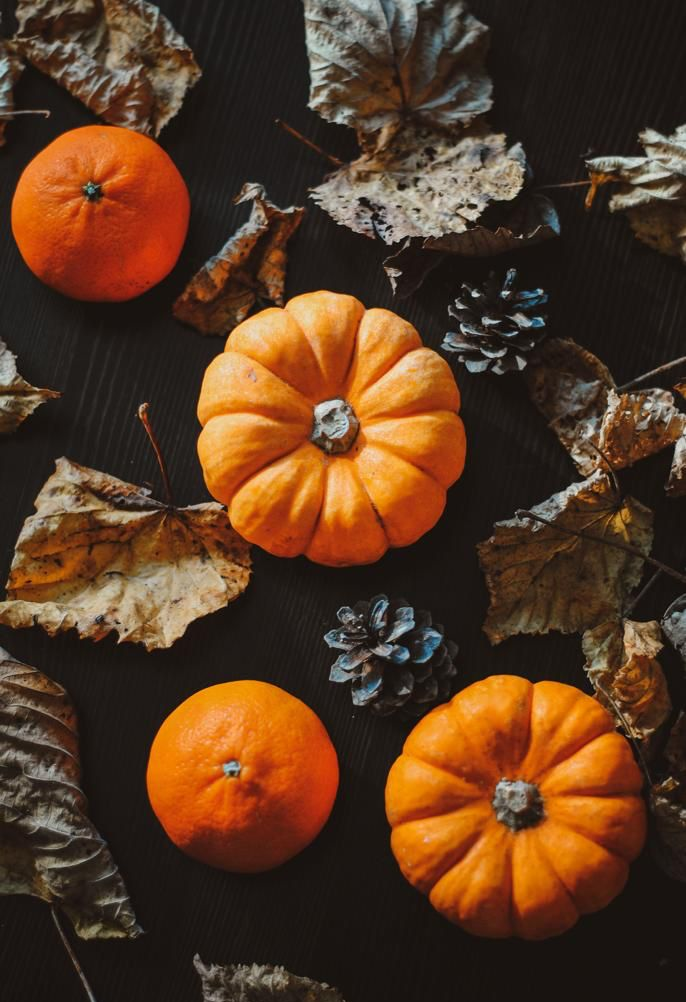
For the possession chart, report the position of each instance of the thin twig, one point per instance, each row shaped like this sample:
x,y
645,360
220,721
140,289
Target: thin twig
x,y
642,593
72,956
564,184
610,467
308,142
145,420
629,731
25,111
627,547
661,369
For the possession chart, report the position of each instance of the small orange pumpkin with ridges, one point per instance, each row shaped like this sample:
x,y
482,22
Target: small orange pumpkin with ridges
x,y
516,808
330,430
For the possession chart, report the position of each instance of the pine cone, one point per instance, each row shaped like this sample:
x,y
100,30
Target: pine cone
x,y
395,658
498,325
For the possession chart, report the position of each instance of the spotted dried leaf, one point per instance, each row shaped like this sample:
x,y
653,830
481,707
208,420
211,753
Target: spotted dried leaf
x,y
259,983
424,184
668,806
11,68
541,577
100,555
18,399
49,847
122,58
594,421
651,189
250,267
380,64
621,662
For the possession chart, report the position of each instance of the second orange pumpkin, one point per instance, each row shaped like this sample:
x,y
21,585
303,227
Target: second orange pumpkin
x,y
330,430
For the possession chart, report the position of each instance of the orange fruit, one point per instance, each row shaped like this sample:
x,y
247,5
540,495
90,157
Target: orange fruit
x,y
242,776
101,214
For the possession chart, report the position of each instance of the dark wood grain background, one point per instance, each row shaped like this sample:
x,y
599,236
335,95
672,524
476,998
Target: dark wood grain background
x,y
569,77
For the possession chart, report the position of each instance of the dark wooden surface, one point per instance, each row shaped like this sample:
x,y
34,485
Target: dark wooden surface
x,y
569,77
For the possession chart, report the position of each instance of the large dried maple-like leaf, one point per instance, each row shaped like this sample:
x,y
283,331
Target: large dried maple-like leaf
x,y
651,190
250,266
380,63
259,983
11,68
621,662
423,184
595,421
49,847
100,555
668,806
122,58
541,577
18,399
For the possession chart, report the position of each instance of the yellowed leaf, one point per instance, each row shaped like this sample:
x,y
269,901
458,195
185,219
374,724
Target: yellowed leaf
x,y
18,399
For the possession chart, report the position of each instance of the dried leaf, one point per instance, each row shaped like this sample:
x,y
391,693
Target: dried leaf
x,y
423,184
11,68
250,266
100,555
542,578
122,58
668,806
674,626
676,484
18,399
378,64
49,847
621,660
594,421
259,983
651,189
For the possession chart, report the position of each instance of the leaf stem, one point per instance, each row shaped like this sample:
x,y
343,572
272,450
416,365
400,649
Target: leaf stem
x,y
564,184
72,956
629,732
45,112
308,142
642,593
627,547
145,421
659,371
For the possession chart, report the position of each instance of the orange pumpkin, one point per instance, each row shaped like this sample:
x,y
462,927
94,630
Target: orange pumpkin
x,y
516,808
330,430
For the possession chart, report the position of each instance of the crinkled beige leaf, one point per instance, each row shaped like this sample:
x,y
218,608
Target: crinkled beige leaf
x,y
594,421
668,806
259,983
380,63
542,578
18,398
250,266
49,847
651,189
100,555
11,68
621,662
122,58
424,184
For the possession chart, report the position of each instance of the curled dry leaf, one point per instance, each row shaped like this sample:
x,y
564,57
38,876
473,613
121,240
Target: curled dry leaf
x,y
621,662
101,555
259,983
594,421
251,266
423,184
676,484
674,626
11,68
121,58
49,847
541,577
380,64
651,189
18,398
668,806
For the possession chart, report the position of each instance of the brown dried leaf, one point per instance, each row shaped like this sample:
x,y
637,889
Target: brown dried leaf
x,y
594,421
49,847
651,189
18,399
122,58
542,578
259,983
382,63
11,68
424,184
100,555
250,266
668,806
621,660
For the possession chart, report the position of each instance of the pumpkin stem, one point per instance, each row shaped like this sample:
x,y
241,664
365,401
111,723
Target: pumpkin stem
x,y
92,191
72,956
232,769
335,425
145,421
518,804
